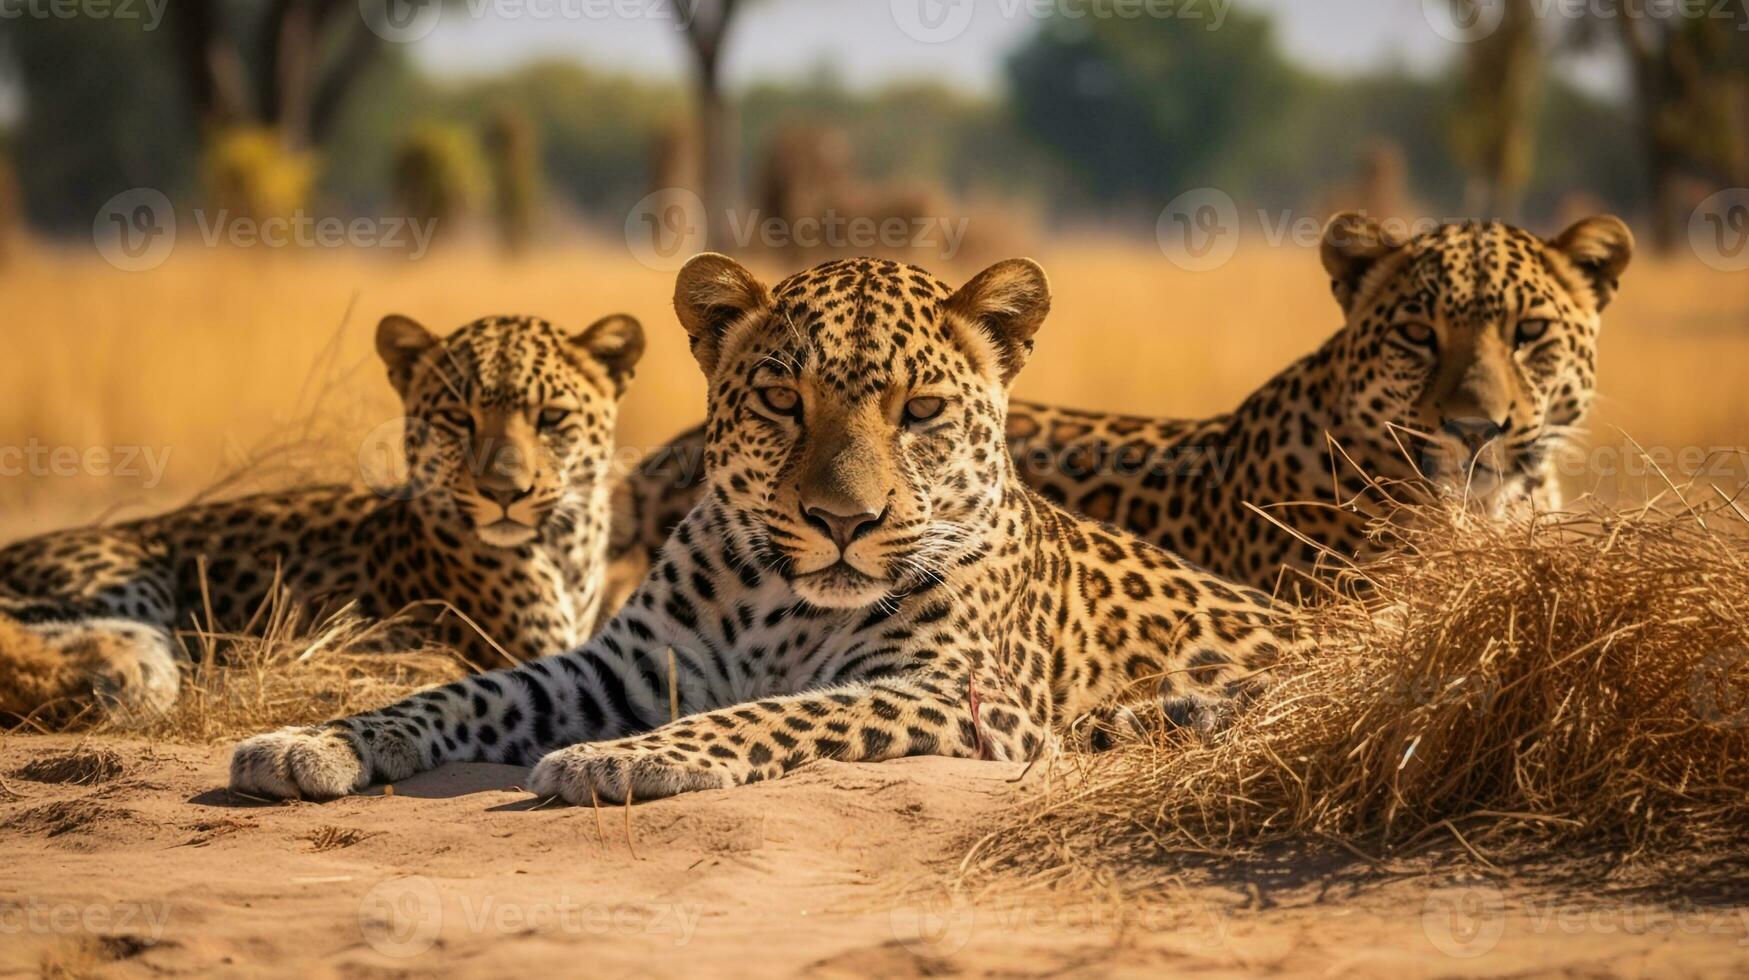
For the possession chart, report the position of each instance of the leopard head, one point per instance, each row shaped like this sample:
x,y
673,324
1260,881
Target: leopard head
x,y
509,420
854,428
1471,348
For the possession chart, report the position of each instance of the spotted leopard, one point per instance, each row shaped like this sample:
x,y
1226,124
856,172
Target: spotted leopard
x,y
494,545
863,577
1467,358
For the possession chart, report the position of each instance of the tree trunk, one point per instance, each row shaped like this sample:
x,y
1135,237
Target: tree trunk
x,y
210,65
716,132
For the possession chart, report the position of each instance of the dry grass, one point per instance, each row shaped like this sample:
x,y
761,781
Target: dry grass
x,y
1581,679
80,767
241,684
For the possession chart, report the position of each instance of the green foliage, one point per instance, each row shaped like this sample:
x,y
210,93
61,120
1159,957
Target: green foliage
x,y
104,113
1140,108
249,173
439,175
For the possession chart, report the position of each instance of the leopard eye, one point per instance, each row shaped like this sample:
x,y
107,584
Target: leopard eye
x,y
456,418
553,417
1417,333
923,409
1531,330
782,400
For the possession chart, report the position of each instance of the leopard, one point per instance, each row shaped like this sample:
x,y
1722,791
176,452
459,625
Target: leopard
x,y
863,578
493,545
1467,360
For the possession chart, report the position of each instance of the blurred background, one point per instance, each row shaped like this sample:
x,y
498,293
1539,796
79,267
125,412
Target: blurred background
x,y
205,205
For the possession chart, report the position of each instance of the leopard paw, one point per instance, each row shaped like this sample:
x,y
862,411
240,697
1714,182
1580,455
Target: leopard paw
x,y
1104,729
593,773
1198,713
299,763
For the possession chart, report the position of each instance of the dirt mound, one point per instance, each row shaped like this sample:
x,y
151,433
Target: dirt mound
x,y
83,767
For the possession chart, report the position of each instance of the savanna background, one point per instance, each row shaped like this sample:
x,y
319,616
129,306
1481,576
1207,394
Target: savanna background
x,y
1170,165
564,158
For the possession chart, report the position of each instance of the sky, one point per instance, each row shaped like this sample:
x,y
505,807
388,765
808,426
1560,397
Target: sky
x,y
866,44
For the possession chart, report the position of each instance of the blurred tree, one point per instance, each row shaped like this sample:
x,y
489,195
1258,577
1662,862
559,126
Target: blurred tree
x,y
707,23
10,222
284,64
439,176
102,112
250,173
1689,84
513,148
1144,108
1493,130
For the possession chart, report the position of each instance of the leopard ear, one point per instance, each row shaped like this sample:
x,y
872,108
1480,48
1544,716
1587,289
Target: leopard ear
x,y
617,341
1353,246
713,293
400,343
1601,248
1008,302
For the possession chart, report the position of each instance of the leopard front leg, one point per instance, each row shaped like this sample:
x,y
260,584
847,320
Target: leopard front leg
x,y
862,722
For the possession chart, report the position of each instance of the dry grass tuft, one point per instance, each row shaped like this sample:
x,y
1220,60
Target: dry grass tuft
x,y
1581,679
287,673
81,767
331,838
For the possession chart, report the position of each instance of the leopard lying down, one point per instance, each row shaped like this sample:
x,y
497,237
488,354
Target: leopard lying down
x,y
863,578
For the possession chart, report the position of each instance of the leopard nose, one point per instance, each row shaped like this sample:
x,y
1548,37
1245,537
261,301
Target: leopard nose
x,y
505,496
1474,433
843,528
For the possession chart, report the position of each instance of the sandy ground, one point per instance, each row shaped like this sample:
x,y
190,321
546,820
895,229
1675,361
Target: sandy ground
x,y
837,871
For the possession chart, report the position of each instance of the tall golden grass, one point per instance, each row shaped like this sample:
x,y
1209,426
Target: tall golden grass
x,y
221,358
